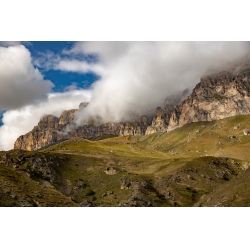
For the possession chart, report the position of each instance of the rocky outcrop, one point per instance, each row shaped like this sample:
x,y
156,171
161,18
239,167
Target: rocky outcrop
x,y
160,121
51,129
215,97
162,116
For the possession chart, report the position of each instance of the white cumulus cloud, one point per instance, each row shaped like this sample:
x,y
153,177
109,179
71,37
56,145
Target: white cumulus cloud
x,y
20,83
20,121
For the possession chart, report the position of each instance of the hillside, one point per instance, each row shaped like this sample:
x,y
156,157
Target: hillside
x,y
195,165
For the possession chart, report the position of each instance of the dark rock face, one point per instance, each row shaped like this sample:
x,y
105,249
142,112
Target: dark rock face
x,y
215,97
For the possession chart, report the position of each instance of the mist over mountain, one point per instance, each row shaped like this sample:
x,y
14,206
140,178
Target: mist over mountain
x,y
134,79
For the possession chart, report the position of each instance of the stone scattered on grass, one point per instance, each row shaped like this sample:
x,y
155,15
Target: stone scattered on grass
x,y
246,132
85,204
219,174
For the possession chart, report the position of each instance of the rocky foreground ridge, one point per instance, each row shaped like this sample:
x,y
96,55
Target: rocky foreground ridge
x,y
215,97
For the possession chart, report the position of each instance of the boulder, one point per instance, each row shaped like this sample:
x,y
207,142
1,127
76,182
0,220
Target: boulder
x,y
85,204
20,157
111,171
203,196
246,132
173,204
219,174
137,197
236,127
125,183
71,198
81,184
198,204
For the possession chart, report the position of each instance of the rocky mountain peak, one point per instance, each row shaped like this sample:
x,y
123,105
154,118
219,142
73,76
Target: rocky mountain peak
x,y
216,96
83,105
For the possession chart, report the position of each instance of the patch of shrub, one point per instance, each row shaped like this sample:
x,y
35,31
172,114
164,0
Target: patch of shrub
x,y
90,192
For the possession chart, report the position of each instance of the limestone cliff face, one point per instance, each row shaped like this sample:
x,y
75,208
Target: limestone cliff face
x,y
215,97
162,117
160,121
51,129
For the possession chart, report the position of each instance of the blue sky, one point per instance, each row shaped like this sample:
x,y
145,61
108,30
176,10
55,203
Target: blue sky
x,y
61,79
1,116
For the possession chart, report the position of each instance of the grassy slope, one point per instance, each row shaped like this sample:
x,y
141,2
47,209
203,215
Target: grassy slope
x,y
148,158
16,183
195,140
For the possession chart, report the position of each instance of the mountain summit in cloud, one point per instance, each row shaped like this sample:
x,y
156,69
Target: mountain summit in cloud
x,y
216,97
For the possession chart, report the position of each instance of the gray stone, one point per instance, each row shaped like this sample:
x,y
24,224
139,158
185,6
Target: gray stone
x,y
85,204
173,203
246,132
198,204
220,174
137,197
71,198
203,196
149,204
81,184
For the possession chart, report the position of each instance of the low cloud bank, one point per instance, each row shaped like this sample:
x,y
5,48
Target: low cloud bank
x,y
137,77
